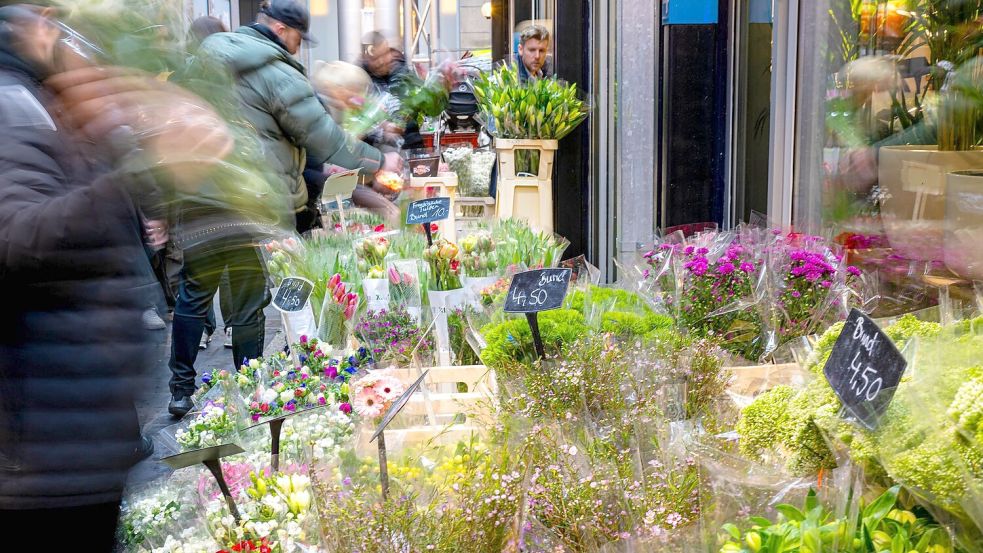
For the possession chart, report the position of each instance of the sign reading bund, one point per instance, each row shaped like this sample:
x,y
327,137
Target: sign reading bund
x,y
535,291
864,369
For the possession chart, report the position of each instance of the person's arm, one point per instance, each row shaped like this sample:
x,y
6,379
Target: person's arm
x,y
303,118
47,224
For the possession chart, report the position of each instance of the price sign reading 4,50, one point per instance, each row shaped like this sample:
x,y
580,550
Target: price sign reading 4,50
x,y
864,369
535,291
293,294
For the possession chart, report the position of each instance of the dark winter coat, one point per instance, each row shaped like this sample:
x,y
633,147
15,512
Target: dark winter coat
x,y
73,273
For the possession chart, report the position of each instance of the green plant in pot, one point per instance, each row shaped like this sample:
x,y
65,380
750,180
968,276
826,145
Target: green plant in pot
x,y
913,175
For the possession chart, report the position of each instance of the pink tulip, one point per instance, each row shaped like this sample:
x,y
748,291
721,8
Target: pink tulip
x,y
393,275
334,281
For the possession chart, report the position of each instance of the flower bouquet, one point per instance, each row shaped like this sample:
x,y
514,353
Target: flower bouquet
x,y
288,391
337,314
480,264
446,293
277,514
280,257
811,287
716,294
404,286
395,338
371,254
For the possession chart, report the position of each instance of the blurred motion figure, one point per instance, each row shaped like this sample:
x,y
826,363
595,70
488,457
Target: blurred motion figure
x,y
76,146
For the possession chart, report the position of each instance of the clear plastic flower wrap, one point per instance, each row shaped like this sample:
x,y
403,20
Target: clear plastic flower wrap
x,y
809,287
712,283
395,338
276,510
517,245
930,439
162,516
337,318
404,286
217,419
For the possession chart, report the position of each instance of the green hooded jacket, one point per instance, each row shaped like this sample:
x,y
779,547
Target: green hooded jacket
x,y
279,102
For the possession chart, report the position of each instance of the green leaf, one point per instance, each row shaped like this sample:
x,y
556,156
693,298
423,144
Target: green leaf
x,y
732,530
876,511
760,521
790,512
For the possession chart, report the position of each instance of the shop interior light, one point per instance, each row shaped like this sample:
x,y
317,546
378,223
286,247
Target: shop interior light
x,y
486,10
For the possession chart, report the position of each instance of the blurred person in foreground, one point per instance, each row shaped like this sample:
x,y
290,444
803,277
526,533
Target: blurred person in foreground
x,y
79,148
345,88
534,45
271,94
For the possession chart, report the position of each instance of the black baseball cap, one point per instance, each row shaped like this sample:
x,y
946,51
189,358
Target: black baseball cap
x,y
291,13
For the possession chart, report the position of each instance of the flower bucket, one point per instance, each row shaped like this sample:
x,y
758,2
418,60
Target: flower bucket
x,y
376,292
442,302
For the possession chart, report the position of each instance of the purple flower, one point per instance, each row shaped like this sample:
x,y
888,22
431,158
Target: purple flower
x,y
826,284
702,251
303,339
255,417
725,268
747,267
345,408
853,270
321,400
290,406
796,294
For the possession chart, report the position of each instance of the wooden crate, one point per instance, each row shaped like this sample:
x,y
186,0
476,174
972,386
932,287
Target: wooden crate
x,y
454,415
749,382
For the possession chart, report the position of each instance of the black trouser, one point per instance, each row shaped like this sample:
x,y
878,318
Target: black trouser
x,y
89,528
203,268
224,306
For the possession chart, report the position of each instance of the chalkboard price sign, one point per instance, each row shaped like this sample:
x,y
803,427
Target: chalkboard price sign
x,y
537,290
293,294
428,211
864,369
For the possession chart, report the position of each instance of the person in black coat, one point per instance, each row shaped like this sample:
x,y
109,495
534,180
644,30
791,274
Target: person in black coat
x,y
73,350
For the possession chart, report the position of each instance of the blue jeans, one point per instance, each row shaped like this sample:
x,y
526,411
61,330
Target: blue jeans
x,y
200,277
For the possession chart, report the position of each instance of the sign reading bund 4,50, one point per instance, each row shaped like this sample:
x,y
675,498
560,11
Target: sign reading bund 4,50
x,y
537,290
864,369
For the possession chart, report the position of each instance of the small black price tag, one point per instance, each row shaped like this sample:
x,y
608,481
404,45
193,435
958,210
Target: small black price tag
x,y
864,369
293,294
428,211
537,290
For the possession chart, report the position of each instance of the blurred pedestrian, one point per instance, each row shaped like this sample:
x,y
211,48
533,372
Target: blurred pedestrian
x,y
278,103
388,69
345,88
200,29
73,268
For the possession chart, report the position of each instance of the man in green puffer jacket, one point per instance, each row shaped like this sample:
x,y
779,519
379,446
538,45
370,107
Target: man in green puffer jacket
x,y
279,101
276,101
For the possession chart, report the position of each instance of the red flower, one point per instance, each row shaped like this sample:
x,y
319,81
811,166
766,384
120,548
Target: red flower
x,y
298,392
276,373
380,228
455,264
434,227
